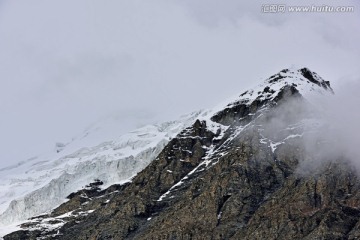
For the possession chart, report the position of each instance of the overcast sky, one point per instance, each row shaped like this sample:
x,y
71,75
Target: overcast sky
x,y
64,64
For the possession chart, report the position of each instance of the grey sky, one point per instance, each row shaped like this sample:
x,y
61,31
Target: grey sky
x,y
64,64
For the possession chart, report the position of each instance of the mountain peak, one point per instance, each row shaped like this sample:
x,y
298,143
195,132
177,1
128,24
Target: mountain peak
x,y
303,79
300,74
291,81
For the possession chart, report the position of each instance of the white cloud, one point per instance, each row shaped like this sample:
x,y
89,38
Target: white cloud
x,y
63,64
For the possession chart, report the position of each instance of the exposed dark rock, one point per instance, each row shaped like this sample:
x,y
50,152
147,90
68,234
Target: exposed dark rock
x,y
276,77
310,76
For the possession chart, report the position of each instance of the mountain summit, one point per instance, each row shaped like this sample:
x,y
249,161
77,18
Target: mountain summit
x,y
303,80
243,170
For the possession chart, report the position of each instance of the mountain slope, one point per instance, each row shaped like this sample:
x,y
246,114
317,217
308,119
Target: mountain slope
x,y
40,184
241,171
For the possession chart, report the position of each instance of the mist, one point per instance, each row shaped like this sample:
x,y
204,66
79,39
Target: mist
x,y
316,128
340,134
326,127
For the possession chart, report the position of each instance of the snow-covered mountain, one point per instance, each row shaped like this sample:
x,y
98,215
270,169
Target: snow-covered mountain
x,y
40,184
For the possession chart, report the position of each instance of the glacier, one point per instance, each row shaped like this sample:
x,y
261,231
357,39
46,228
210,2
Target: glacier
x,y
39,184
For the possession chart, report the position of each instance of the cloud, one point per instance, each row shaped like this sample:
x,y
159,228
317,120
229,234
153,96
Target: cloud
x,y
343,118
336,136
67,63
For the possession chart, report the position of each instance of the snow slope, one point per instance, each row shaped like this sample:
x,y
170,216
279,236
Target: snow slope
x,y
39,184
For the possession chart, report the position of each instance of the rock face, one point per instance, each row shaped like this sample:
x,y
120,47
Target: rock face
x,y
243,173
